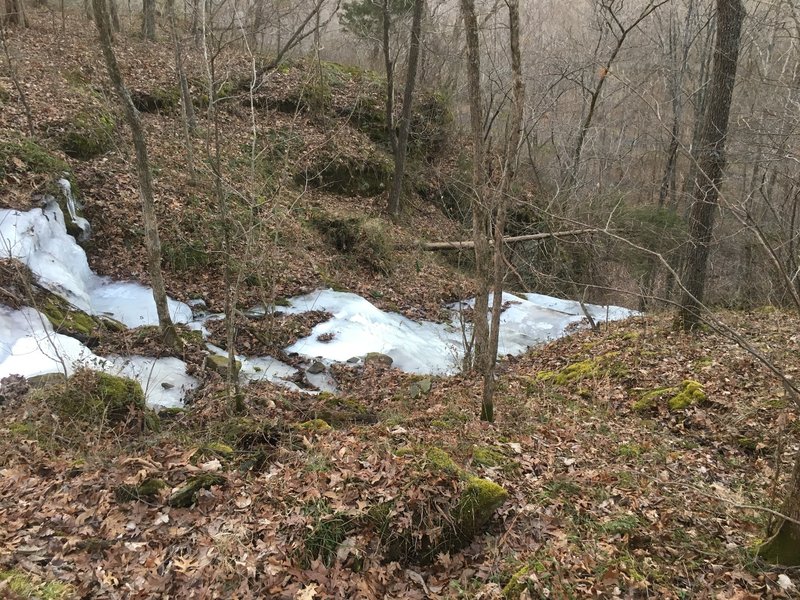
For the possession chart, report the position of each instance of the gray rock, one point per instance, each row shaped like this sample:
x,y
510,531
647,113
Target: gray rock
x,y
316,367
376,358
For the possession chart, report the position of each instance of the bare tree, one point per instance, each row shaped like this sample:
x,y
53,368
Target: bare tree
x,y
148,19
152,242
400,142
477,355
711,159
14,13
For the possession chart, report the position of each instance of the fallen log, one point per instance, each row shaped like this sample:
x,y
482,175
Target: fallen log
x,y
508,240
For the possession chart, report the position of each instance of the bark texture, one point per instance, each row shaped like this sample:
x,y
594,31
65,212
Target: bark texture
x,y
711,159
152,241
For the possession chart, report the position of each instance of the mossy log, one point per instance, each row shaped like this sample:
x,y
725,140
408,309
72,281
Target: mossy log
x,y
783,548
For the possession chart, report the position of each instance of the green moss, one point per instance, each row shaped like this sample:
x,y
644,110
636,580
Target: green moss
x,y
67,319
314,426
441,460
24,585
96,398
147,490
648,400
689,392
156,100
602,366
491,457
476,506
88,134
517,584
34,158
367,174
784,547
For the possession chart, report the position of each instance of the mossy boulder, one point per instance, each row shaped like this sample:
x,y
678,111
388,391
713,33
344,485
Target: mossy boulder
x,y
367,239
592,368
186,494
96,398
455,525
314,426
213,449
88,134
378,358
146,490
67,319
156,100
679,397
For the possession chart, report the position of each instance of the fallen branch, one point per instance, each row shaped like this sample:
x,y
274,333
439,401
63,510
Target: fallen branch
x,y
508,240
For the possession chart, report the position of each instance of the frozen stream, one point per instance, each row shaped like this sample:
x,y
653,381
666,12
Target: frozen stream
x,y
29,346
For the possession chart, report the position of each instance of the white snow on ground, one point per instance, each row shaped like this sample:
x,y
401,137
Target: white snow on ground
x,y
38,238
359,327
28,345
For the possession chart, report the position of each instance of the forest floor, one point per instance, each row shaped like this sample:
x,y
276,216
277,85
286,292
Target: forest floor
x,y
611,492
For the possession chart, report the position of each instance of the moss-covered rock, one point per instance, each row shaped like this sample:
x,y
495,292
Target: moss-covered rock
x,y
368,174
26,155
146,490
592,368
186,494
314,426
486,456
454,526
689,392
88,134
67,319
156,100
96,398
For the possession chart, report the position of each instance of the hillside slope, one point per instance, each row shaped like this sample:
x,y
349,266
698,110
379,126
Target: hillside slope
x,y
626,461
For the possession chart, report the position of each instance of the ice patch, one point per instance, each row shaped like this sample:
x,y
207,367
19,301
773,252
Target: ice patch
x,y
359,327
38,238
30,347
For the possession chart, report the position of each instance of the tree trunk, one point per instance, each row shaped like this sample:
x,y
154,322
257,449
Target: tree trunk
x,y
148,20
711,159
396,193
388,66
14,13
509,172
477,357
112,10
152,242
783,548
187,110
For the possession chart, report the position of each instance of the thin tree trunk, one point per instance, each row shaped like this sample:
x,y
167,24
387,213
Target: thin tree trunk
x,y
187,110
14,13
112,9
152,242
711,159
388,66
481,219
396,193
149,20
509,172
783,548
